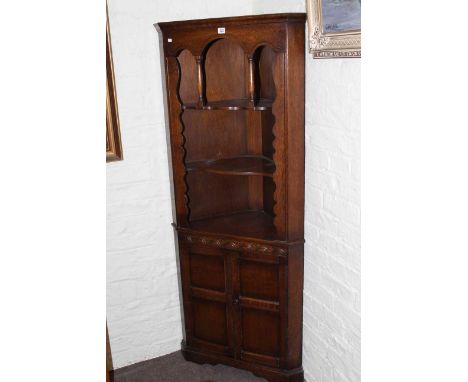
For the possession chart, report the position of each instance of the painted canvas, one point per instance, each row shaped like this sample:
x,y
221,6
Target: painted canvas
x,y
334,28
341,15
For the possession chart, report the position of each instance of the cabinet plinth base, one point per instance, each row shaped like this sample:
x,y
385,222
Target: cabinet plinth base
x,y
269,373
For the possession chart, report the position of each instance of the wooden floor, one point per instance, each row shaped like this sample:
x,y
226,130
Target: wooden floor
x,y
173,368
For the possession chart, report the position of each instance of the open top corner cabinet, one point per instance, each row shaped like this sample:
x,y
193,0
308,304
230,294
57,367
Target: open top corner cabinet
x,y
235,104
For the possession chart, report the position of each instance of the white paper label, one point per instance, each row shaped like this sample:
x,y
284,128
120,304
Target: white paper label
x,y
221,30
169,40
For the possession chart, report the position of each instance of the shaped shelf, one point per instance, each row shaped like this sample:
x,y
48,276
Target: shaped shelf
x,y
235,104
241,165
257,224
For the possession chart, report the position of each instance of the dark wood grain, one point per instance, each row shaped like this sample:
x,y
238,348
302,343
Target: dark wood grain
x,y
248,223
236,118
231,104
188,87
241,165
225,82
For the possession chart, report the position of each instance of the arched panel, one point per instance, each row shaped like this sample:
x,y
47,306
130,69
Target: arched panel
x,y
188,92
225,68
266,86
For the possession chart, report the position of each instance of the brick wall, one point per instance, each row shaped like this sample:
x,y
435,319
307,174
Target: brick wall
x,y
332,222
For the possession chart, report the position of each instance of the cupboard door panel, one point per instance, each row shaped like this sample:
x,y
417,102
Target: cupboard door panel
x,y
260,325
260,336
259,280
207,271
259,318
207,300
210,321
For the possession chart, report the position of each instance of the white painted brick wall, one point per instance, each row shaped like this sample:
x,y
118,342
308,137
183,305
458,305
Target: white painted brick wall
x,y
332,214
332,221
143,309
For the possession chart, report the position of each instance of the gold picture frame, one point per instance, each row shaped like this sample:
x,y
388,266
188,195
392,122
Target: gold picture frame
x,y
326,44
113,141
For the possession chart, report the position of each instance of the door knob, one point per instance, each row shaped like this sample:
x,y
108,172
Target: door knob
x,y
236,301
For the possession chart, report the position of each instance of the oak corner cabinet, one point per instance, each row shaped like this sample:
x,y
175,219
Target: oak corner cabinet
x,y
235,106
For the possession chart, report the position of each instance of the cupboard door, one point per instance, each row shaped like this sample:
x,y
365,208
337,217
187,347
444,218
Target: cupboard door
x,y
260,287
208,316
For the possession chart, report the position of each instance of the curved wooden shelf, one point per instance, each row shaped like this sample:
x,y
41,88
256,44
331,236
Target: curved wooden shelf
x,y
253,223
241,165
236,104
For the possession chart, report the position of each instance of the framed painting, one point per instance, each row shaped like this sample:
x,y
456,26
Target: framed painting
x,y
334,28
113,142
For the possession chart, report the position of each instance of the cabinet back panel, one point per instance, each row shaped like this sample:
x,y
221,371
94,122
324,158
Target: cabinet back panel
x,y
225,65
265,79
214,194
214,134
268,195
